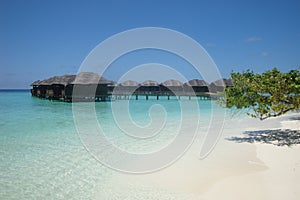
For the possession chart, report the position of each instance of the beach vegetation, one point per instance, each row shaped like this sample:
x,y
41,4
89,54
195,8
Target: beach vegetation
x,y
265,95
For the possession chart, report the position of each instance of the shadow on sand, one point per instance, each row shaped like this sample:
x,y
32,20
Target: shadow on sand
x,y
278,137
295,118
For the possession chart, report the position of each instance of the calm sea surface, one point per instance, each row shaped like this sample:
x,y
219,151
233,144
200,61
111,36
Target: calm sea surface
x,y
42,157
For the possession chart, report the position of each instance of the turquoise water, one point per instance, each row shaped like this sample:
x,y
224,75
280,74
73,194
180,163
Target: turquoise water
x,y
42,157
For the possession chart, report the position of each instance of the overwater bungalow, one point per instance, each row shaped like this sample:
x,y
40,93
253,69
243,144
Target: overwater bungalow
x,y
88,86
52,88
170,87
196,86
126,88
220,85
149,87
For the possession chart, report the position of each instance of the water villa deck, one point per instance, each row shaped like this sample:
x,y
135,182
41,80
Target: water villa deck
x,y
87,86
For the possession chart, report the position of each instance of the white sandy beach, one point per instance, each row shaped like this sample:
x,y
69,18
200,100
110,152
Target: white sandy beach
x,y
232,171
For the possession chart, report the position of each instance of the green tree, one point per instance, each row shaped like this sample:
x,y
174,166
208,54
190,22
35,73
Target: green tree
x,y
265,95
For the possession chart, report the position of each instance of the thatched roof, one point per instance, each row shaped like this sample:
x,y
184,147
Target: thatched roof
x,y
150,83
94,78
223,82
129,83
35,83
196,82
61,80
172,82
85,78
81,78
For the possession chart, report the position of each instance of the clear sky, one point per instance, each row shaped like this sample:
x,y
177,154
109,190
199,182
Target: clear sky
x,y
39,39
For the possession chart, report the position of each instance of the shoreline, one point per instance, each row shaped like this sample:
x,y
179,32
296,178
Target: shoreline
x,y
232,171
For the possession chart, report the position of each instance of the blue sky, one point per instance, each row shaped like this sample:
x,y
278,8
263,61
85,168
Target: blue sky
x,y
39,39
